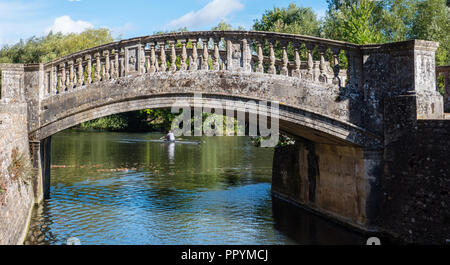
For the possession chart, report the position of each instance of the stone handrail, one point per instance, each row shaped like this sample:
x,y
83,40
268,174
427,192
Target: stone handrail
x,y
241,51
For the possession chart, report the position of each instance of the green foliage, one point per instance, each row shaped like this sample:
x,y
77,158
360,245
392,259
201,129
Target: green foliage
x,y
283,140
441,84
353,21
294,20
397,19
52,46
223,26
368,21
158,119
110,123
432,22
171,31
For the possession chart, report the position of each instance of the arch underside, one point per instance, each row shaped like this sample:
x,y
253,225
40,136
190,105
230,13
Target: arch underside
x,y
294,121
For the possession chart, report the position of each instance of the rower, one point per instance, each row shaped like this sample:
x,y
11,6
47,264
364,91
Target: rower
x,y
170,136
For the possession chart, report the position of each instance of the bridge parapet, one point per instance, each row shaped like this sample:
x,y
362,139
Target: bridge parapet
x,y
308,58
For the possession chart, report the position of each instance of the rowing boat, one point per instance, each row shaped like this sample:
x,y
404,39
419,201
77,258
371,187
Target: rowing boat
x,y
170,142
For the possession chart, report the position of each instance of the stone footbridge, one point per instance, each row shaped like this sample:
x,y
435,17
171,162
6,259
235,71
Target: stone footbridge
x,y
371,134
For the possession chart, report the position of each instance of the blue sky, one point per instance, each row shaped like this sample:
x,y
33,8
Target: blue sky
x,y
130,18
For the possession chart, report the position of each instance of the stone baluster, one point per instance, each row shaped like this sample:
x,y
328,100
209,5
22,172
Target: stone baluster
x,y
309,62
173,56
89,68
97,67
229,55
122,62
162,57
53,80
298,62
71,82
112,69
141,59
107,65
322,67
103,72
336,67
316,71
147,63
152,58
284,68
193,66
60,86
94,75
183,57
62,68
80,72
67,80
116,63
272,70
246,56
260,68
205,56
216,64
322,59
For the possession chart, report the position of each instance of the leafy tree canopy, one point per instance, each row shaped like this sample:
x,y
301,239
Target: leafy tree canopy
x,y
432,22
294,20
54,45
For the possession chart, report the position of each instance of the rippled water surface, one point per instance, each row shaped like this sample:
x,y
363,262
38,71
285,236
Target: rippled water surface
x,y
121,188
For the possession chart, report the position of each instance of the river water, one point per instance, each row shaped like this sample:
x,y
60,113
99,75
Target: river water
x,y
124,188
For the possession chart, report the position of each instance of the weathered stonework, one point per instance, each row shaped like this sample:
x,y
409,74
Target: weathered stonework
x,y
332,180
17,201
359,129
416,181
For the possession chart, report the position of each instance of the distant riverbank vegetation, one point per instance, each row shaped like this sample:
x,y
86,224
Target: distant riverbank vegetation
x,y
356,21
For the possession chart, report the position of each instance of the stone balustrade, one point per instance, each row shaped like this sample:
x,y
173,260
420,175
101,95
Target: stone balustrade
x,y
308,58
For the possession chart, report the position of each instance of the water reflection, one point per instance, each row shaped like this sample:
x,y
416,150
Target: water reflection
x,y
309,229
112,188
171,152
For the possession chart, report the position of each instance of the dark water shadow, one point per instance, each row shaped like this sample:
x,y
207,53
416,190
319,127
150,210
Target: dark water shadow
x,y
306,228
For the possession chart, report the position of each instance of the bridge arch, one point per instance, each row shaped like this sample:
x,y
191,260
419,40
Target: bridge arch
x,y
69,109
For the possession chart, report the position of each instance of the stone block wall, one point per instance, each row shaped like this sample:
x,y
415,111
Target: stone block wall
x,y
329,179
416,184
406,196
18,199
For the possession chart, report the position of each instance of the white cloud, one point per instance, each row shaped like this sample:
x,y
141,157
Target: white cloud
x,y
66,25
214,11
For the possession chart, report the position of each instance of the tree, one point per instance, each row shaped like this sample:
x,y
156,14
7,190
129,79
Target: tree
x,y
294,20
353,21
397,19
52,46
223,26
432,22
